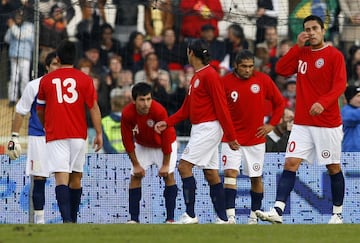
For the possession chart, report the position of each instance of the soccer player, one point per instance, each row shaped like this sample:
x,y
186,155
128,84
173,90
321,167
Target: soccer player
x,y
63,96
247,91
146,147
205,106
36,164
317,131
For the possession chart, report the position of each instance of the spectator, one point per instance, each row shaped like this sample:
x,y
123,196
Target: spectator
x,y
119,97
52,32
270,46
277,139
7,7
84,65
158,17
217,48
351,120
115,76
108,45
197,13
350,34
235,42
353,58
126,19
146,48
92,53
266,14
131,52
45,8
151,70
20,37
172,53
290,92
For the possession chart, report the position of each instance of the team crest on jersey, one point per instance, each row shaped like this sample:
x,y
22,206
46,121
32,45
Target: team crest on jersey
x,y
319,63
255,88
256,167
150,123
325,154
196,83
186,150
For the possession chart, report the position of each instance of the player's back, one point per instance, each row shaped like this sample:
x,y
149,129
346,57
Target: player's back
x,y
65,92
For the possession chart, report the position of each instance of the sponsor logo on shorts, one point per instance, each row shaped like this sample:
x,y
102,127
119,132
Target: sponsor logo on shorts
x,y
256,167
255,88
150,123
325,154
319,63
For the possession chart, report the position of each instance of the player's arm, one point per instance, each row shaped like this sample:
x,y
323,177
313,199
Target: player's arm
x,y
164,170
14,147
288,64
137,169
96,120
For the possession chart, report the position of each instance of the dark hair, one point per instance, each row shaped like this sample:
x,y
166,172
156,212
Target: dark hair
x,y
237,30
106,26
200,49
140,89
244,55
49,58
66,51
315,18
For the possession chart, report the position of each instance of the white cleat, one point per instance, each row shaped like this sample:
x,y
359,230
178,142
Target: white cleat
x,y
336,219
132,222
272,216
186,219
220,221
231,220
252,220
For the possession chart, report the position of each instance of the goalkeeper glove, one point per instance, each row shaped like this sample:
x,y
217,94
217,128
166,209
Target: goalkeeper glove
x,y
14,148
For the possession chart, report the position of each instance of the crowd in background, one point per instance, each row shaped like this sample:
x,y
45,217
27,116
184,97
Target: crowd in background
x,y
117,54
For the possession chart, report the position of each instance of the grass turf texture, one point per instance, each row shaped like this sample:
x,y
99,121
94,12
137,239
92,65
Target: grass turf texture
x,y
159,233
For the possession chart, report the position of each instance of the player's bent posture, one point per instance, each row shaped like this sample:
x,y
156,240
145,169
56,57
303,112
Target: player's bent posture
x,y
63,97
205,106
317,131
247,91
36,164
146,147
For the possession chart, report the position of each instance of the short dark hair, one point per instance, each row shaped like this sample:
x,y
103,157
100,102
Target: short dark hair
x,y
316,18
66,51
141,89
244,55
201,50
49,58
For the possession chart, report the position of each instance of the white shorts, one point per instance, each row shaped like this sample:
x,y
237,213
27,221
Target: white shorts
x,y
66,155
36,163
250,157
154,156
202,149
321,144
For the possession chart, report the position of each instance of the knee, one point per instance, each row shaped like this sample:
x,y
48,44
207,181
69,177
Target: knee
x,y
212,176
333,168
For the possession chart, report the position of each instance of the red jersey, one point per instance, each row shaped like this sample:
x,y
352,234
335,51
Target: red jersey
x,y
140,128
63,94
321,77
205,102
246,100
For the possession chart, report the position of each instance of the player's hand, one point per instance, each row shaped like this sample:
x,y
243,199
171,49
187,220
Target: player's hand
x,y
234,145
98,142
14,148
139,171
316,109
264,130
302,38
164,171
160,126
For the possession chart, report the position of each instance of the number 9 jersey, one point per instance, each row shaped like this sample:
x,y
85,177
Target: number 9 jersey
x,y
63,94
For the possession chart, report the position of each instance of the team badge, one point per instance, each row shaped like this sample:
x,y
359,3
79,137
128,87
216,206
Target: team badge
x,y
255,88
325,154
256,167
150,123
196,83
319,63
